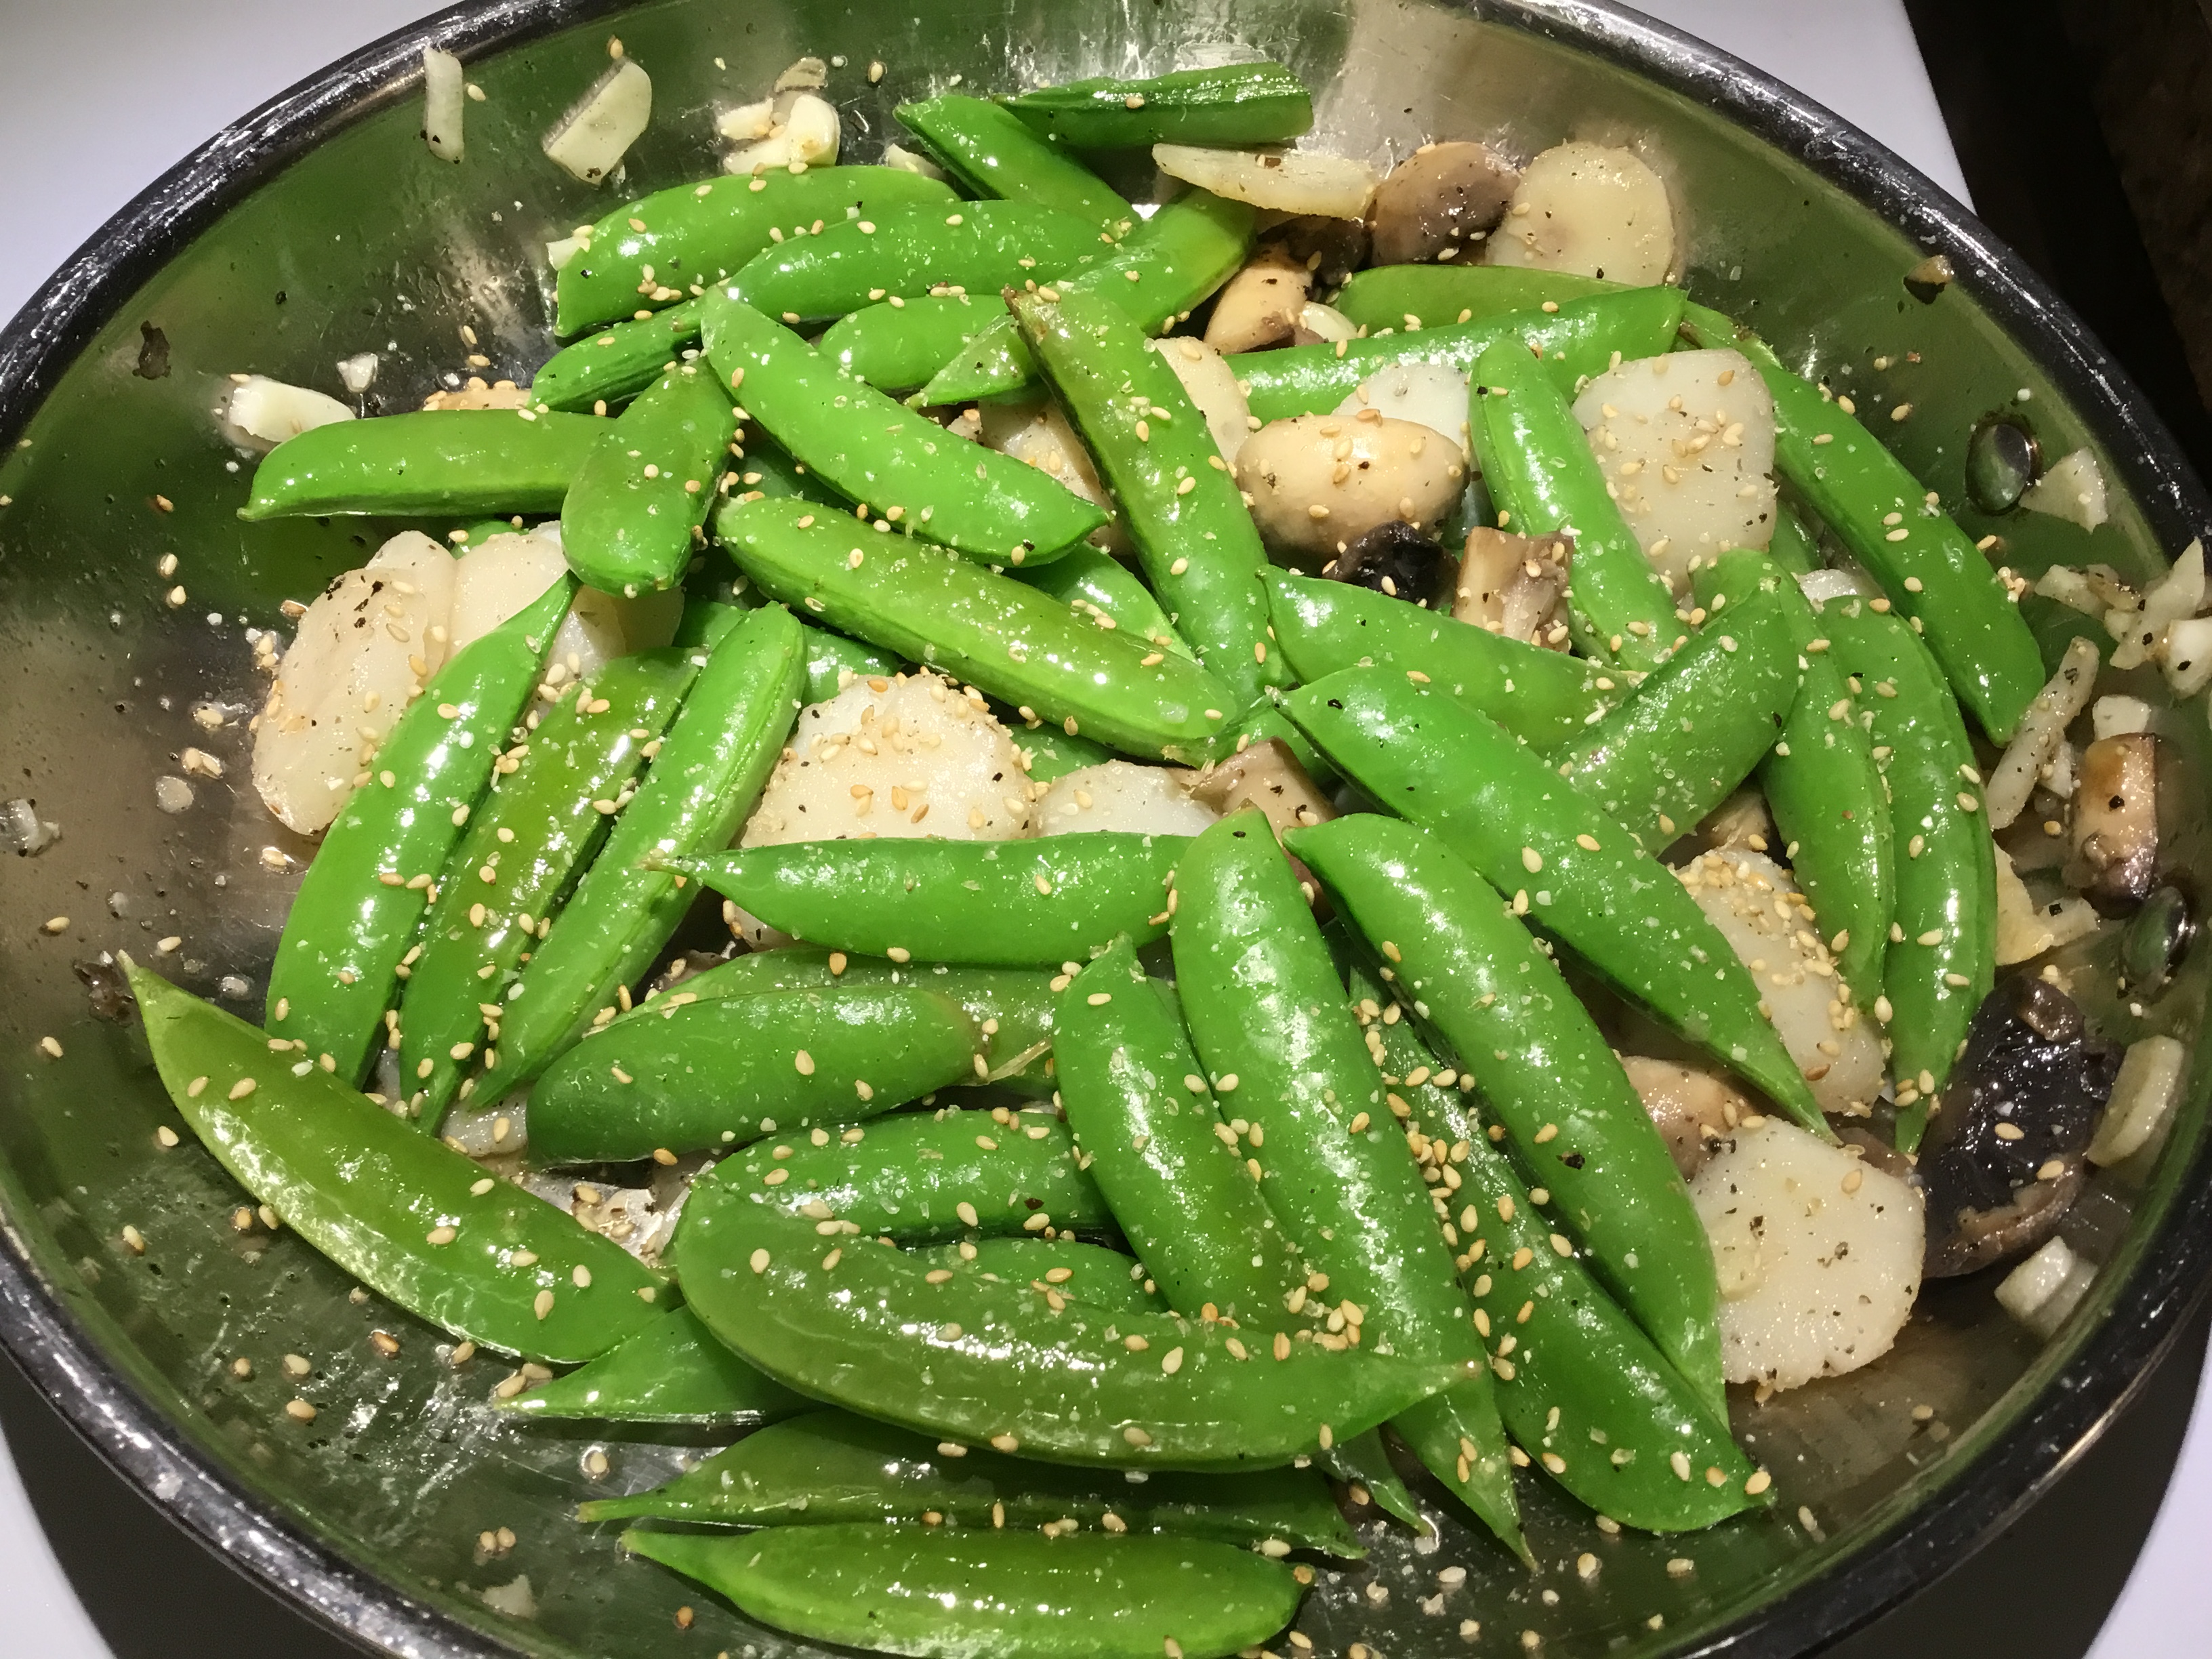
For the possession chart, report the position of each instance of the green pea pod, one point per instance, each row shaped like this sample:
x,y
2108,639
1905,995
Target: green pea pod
x,y
898,347
398,1211
1821,781
552,797
1546,698
874,450
1537,464
617,362
361,901
444,461
1007,638
1412,297
1931,571
1364,1461
1054,753
1942,960
767,469
703,782
1173,1171
1200,550
673,1371
975,246
1695,728
702,1076
992,153
1085,1273
702,232
834,662
1493,802
1475,973
1258,103
990,1594
1794,547
829,1466
1013,903
1184,251
1581,338
631,516
1104,588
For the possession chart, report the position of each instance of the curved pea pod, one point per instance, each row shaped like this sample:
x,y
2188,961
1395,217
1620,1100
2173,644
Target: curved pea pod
x,y
897,348
1927,566
1942,959
1694,728
993,152
1258,103
990,1594
947,490
631,516
704,1075
767,469
552,797
1171,1170
615,362
673,1371
1546,698
1578,339
1413,297
829,1467
834,662
1475,974
709,772
1794,547
1364,1461
361,901
1820,782
1020,645
452,462
1572,870
702,233
397,1210
1003,903
1102,588
1200,550
1082,1273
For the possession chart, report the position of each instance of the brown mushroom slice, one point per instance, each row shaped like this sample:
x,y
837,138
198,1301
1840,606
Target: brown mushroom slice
x,y
1317,483
1259,306
1690,1107
1332,249
1516,585
1267,776
1438,202
2116,822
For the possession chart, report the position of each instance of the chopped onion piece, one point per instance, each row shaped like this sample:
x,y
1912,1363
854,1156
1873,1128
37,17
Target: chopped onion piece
x,y
748,122
1294,181
358,372
2116,717
805,75
2069,587
807,135
908,161
2073,490
443,96
2187,660
261,413
1326,322
2046,1287
1212,383
2143,1097
2042,729
592,138
558,254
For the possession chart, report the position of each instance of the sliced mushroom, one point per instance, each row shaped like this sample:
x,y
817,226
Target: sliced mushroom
x,y
2002,1157
1332,249
1259,306
1318,483
1516,585
1692,1108
1591,209
1267,776
1393,558
2116,822
1438,202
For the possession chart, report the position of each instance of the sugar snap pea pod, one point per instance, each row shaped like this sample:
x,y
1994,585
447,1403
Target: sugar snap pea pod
x,y
767,469
359,907
1412,297
1927,566
1794,547
946,489
990,1594
1821,781
1573,870
1054,753
671,1371
710,769
1476,975
1695,728
699,233
615,362
1200,550
1083,1273
708,1074
834,662
1546,698
1104,589
1238,104
552,797
977,247
1364,1462
444,461
1580,339
400,1212
1160,270
1009,903
630,517
1542,477
993,152
1171,1169
897,348
1023,647
1943,944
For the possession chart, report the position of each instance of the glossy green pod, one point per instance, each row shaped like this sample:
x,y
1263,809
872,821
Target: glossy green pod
x,y
1100,587
1095,1273
452,462
898,348
1410,298
673,1371
614,364
1235,103
993,152
633,512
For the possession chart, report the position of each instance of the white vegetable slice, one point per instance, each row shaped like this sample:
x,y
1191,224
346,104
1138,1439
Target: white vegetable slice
x,y
498,577
444,95
603,626
1295,181
1040,434
2045,1288
2143,1097
908,161
2116,717
2187,660
1819,1255
1211,381
2073,490
1326,322
1142,800
1686,445
592,138
358,373
807,135
1433,395
1591,209
747,122
2042,729
2070,587
1842,582
261,413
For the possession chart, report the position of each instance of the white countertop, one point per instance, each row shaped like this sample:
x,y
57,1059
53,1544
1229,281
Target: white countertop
x,y
84,130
